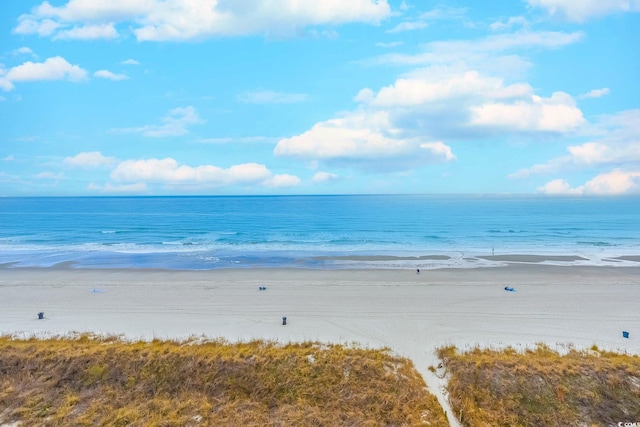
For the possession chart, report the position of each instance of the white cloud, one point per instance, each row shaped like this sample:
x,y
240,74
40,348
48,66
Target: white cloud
x,y
9,158
491,52
618,145
439,101
93,159
156,20
5,84
56,68
169,172
583,10
24,51
106,74
555,114
616,182
595,93
324,177
558,186
130,62
403,125
444,13
173,124
283,180
427,85
42,27
363,139
271,97
408,26
88,32
510,23
612,183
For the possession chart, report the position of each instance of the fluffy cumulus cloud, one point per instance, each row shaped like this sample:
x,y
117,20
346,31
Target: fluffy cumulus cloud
x,y
168,172
158,20
175,123
614,157
618,146
365,139
403,125
583,10
56,68
93,159
611,183
555,114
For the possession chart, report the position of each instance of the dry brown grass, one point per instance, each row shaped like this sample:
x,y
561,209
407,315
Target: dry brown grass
x,y
92,381
543,388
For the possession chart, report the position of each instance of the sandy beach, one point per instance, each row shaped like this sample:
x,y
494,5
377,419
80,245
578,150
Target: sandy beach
x,y
408,312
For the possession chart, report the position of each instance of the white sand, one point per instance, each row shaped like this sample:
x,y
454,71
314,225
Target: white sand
x,y
410,313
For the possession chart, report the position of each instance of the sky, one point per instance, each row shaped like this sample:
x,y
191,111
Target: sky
x,y
256,97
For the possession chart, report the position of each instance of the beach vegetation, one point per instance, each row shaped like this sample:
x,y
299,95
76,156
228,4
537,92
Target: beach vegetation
x,y
97,381
541,387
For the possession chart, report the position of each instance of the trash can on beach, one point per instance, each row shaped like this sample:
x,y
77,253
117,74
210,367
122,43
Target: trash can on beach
x,y
625,334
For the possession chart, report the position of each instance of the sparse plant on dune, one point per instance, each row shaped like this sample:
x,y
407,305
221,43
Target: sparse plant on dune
x,y
540,387
92,381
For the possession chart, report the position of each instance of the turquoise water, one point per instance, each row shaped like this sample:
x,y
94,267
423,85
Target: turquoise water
x,y
368,231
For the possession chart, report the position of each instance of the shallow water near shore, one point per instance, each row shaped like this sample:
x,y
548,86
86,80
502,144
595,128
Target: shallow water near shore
x,y
366,231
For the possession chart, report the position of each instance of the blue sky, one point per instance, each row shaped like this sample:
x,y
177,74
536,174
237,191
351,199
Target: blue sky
x,y
155,97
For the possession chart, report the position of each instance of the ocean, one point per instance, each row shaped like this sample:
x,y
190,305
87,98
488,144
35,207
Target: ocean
x,y
351,231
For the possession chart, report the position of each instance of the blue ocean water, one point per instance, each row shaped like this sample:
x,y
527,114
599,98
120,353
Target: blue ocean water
x,y
356,231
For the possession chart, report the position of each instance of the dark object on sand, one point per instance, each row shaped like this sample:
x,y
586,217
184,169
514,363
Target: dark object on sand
x,y
509,289
41,315
284,320
262,288
418,271
625,334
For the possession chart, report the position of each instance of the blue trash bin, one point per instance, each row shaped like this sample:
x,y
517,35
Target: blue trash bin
x,y
41,315
625,334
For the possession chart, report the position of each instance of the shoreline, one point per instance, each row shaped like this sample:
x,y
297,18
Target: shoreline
x,y
208,260
410,313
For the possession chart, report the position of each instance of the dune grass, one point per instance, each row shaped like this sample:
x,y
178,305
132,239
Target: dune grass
x,y
540,387
89,381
